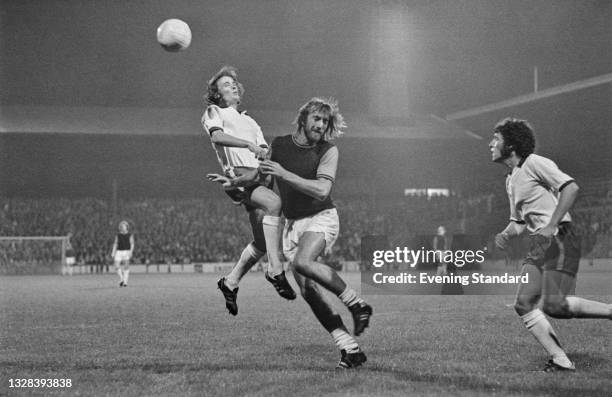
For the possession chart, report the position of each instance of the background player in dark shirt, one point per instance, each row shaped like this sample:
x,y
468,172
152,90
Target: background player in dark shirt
x,y
69,256
441,244
123,248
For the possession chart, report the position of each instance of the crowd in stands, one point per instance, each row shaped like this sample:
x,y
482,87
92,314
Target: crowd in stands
x,y
208,230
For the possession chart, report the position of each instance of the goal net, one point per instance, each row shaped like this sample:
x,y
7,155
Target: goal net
x,y
32,255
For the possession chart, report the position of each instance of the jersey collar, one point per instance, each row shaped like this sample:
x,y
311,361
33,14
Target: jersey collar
x,y
522,160
296,143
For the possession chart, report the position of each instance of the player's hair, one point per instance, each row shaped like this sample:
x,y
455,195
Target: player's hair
x,y
212,96
518,136
330,106
126,223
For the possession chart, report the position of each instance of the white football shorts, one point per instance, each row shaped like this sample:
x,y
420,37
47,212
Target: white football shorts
x,y
326,222
122,256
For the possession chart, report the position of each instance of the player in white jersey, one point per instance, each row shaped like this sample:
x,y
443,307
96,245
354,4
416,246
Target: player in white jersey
x,y
540,197
239,142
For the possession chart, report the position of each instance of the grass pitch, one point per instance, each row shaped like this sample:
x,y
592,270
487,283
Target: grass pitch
x,y
169,334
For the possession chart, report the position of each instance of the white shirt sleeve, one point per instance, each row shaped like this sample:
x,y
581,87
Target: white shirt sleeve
x,y
211,119
260,141
546,171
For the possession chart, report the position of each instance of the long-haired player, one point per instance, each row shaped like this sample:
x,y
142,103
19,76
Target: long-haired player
x,y
239,144
304,164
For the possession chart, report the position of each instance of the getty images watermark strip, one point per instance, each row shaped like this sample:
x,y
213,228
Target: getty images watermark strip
x,y
400,270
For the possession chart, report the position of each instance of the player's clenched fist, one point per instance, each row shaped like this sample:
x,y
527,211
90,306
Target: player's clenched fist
x,y
501,240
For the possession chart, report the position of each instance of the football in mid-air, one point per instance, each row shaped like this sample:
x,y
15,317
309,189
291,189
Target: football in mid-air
x,y
174,35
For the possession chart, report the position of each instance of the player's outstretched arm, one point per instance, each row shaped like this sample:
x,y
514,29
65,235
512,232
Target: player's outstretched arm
x,y
242,180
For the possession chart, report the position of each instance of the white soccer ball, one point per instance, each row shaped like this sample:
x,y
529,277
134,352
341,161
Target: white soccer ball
x,y
174,35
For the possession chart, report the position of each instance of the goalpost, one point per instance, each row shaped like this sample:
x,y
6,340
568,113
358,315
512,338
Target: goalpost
x,y
32,254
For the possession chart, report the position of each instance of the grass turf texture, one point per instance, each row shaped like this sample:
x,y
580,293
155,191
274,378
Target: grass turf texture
x,y
171,335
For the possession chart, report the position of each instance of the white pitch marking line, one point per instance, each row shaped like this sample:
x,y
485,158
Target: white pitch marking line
x,y
87,326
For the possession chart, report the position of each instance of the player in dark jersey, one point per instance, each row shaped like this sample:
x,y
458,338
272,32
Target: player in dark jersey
x,y
540,196
304,166
123,248
441,244
69,256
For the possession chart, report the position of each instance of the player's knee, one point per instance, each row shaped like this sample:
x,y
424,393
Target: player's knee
x,y
302,266
557,308
274,206
523,306
299,266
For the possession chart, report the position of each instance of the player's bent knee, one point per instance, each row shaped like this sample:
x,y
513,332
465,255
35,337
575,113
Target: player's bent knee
x,y
557,309
523,306
274,206
271,205
302,267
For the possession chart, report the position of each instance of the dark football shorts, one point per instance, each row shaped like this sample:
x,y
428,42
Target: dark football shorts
x,y
242,195
560,252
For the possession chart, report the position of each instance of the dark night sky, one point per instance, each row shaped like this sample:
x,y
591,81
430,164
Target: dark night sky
x,y
460,54
406,57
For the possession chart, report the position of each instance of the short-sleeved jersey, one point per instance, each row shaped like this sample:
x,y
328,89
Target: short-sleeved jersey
x,y
533,188
441,243
69,250
123,242
238,125
308,162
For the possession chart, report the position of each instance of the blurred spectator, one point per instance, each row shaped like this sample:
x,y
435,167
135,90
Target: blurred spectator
x,y
205,230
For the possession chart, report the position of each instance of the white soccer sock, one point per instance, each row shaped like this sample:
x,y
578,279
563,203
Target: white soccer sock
x,y
126,275
538,325
349,297
344,340
584,308
120,273
249,257
272,234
